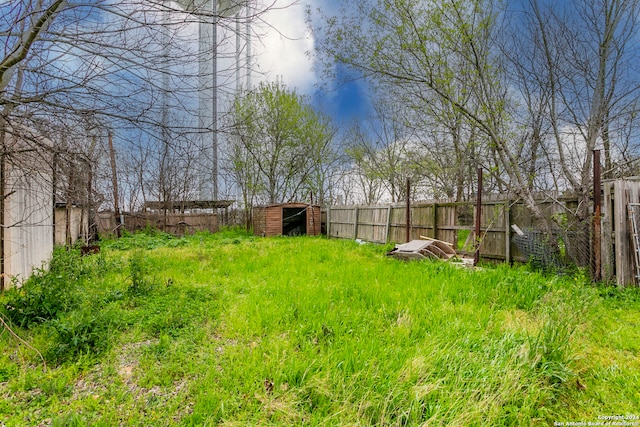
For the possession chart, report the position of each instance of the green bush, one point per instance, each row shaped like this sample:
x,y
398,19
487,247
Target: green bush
x,y
47,294
149,239
81,333
139,268
59,300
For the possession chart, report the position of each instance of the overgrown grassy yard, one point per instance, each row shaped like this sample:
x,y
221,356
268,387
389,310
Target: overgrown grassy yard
x,y
229,329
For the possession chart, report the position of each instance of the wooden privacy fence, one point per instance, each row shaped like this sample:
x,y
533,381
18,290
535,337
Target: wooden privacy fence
x,y
173,223
451,222
618,261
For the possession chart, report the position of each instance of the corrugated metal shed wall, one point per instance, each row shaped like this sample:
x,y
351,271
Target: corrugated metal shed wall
x,y
79,227
28,218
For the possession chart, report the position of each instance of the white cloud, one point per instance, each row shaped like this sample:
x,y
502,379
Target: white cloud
x,y
283,45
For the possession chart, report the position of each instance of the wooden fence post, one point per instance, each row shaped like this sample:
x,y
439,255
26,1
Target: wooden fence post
x,y
355,223
507,232
435,220
388,230
597,215
607,256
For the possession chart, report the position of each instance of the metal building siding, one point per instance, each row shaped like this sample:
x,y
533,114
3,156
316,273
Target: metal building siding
x,y
28,236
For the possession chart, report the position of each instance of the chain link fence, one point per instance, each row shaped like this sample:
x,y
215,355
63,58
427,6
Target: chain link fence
x,y
560,251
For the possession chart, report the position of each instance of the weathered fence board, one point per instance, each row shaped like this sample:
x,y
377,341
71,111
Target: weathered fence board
x,y
342,222
173,223
447,221
442,221
372,223
617,248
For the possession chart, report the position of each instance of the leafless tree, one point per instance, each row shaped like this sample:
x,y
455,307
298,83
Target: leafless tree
x,y
131,66
440,52
383,152
526,90
575,66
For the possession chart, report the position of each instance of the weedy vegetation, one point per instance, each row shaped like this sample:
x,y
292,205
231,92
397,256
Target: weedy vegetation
x,y
230,329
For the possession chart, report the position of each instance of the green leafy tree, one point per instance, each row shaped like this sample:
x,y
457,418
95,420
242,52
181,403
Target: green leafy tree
x,y
280,147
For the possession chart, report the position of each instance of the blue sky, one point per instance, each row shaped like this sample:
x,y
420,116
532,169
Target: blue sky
x,y
283,46
346,102
284,53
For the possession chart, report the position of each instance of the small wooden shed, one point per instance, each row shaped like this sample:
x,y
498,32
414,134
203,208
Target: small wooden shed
x,y
287,219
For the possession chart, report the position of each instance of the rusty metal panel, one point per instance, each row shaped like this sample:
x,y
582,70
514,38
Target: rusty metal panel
x,y
176,223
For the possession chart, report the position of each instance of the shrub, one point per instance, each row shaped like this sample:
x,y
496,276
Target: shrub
x,y
139,282
67,309
47,294
84,332
151,239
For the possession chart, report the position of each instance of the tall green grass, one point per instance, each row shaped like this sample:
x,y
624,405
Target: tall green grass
x,y
230,329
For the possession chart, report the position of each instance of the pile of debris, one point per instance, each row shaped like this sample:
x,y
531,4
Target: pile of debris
x,y
423,249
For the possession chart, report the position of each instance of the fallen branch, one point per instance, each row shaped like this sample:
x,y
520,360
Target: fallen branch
x,y
20,340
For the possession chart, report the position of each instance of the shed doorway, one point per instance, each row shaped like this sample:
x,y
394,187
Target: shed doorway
x,y
294,221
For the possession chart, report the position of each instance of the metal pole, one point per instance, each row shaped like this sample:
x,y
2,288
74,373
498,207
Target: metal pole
x,y
476,255
214,101
408,209
248,54
597,214
238,52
